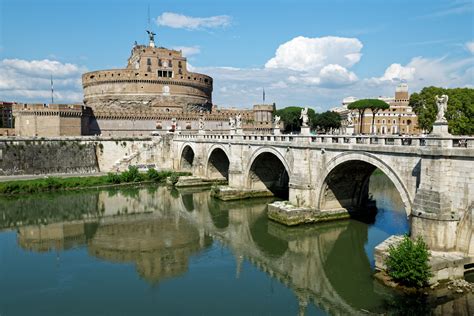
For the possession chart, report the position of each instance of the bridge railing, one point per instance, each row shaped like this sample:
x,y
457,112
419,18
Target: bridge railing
x,y
366,140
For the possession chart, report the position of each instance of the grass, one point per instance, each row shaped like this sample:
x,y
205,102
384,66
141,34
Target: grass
x,y
132,175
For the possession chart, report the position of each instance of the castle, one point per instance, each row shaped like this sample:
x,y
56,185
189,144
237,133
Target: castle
x,y
155,93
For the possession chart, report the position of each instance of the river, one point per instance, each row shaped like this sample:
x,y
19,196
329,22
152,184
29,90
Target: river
x,y
153,250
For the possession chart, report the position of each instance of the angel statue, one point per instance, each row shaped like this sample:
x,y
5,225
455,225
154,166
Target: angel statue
x,y
201,123
277,121
232,122
238,121
442,104
304,117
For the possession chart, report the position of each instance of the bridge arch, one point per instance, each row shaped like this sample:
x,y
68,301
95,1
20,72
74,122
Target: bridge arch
x,y
267,169
218,163
344,181
187,157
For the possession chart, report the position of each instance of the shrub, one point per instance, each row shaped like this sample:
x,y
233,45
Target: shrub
x,y
174,178
407,262
113,178
132,175
153,175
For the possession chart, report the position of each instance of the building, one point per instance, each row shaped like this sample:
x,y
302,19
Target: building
x,y
154,93
6,114
155,78
50,120
398,119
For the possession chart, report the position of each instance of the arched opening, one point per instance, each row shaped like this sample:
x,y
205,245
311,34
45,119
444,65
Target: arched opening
x,y
187,158
346,186
218,165
267,172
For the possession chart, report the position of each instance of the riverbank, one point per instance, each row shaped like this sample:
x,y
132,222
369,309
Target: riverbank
x,y
131,176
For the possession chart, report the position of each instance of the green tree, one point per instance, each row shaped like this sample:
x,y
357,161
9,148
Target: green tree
x,y
460,112
327,120
290,116
376,105
360,106
407,262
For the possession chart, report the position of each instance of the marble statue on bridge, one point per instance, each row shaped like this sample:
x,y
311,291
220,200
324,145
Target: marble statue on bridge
x,y
232,122
304,117
442,104
277,121
238,121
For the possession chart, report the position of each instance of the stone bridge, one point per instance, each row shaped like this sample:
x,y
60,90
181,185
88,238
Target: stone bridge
x,y
326,176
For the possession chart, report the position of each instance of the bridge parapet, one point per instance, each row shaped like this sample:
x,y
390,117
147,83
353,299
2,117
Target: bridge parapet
x,y
375,140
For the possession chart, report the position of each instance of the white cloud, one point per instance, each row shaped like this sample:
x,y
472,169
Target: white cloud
x,y
422,72
336,75
29,81
180,21
470,47
397,72
308,54
42,68
188,50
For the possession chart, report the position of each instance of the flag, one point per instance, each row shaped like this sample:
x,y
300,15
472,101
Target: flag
x,y
263,95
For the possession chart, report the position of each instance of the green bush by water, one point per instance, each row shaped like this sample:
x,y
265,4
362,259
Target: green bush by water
x,y
132,175
407,262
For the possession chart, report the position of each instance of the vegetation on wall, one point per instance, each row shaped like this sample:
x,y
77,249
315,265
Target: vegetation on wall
x,y
460,112
407,262
132,175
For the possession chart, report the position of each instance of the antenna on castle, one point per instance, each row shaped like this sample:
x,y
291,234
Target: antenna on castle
x,y
52,90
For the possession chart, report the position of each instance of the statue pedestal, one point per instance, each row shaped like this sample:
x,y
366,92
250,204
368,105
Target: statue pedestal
x,y
440,129
440,136
232,131
305,130
350,130
239,131
276,131
201,132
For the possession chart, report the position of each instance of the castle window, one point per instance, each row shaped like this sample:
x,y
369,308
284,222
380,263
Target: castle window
x,y
180,71
170,63
160,63
148,69
160,73
206,80
179,64
92,77
148,61
170,74
189,78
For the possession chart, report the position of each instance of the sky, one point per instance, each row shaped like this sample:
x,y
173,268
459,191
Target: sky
x,y
303,53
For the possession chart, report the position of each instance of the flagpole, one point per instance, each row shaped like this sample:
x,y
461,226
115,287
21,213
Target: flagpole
x,y
52,90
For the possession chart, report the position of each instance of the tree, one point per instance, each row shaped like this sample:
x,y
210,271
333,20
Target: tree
x,y
290,116
375,105
460,113
327,120
407,262
360,106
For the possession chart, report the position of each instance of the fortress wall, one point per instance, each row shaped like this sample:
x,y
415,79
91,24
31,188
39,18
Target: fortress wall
x,y
43,157
73,154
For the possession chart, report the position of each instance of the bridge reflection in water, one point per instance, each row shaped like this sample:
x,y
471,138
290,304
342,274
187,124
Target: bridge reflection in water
x,y
162,232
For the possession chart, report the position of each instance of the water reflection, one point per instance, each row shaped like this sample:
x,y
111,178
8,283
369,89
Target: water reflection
x,y
327,267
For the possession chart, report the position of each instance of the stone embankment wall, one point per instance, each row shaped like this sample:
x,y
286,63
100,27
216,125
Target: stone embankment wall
x,y
79,154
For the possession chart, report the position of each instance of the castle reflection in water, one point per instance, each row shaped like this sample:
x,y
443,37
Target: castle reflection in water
x,y
158,230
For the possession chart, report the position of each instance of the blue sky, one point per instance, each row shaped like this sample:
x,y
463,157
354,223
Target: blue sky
x,y
311,53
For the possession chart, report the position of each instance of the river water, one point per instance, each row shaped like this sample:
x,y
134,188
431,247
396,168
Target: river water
x,y
152,250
